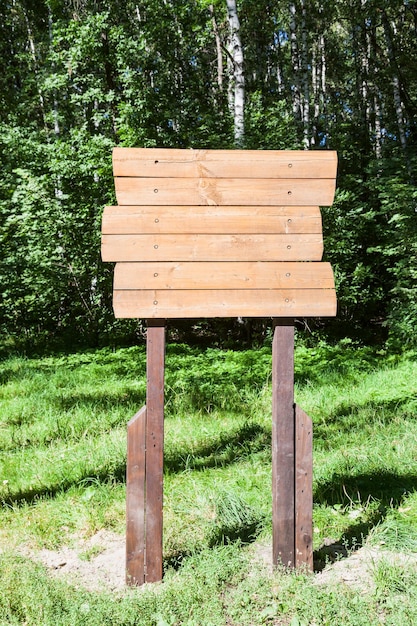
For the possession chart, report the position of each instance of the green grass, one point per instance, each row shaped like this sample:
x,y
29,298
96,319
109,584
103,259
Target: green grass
x,y
62,467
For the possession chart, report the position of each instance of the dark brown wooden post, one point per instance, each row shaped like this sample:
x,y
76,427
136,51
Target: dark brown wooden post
x,y
135,499
283,443
144,473
303,490
154,449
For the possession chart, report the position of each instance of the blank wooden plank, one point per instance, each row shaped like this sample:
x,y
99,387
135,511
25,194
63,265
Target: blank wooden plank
x,y
133,220
155,352
303,490
135,499
157,162
212,247
226,191
283,444
224,303
217,275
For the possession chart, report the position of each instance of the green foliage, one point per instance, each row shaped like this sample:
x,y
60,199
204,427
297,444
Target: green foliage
x,y
269,125
81,77
399,204
54,280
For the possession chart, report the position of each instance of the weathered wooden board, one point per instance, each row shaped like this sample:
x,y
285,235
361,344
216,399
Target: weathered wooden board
x,y
303,490
283,440
168,162
212,247
223,225
224,303
224,191
137,220
135,499
218,275
155,367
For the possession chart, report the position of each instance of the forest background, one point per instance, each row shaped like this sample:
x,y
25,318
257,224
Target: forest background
x,y
80,77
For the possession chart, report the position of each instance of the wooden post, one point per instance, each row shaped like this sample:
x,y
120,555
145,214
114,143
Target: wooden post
x,y
283,444
303,490
135,499
144,474
154,449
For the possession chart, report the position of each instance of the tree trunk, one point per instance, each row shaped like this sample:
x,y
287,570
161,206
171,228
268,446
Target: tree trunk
x,y
396,87
305,79
378,128
218,48
110,82
295,60
32,48
236,51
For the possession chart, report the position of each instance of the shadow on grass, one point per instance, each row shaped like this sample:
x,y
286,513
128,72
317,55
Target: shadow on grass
x,y
226,449
348,416
105,400
352,539
244,529
387,489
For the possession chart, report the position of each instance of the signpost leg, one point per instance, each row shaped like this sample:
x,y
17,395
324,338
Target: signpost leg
x,y
154,449
292,459
135,499
291,464
303,490
283,444
144,473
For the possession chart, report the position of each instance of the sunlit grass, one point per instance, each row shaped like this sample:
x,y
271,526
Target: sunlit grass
x,y
62,471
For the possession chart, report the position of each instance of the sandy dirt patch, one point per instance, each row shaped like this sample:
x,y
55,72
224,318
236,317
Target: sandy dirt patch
x,y
98,563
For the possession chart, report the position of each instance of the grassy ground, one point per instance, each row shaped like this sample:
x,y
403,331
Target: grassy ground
x,y
63,441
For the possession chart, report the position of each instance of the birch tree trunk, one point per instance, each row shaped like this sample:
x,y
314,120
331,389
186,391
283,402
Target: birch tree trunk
x,y
57,129
295,61
305,79
361,57
32,47
301,70
319,86
236,53
218,48
396,86
378,128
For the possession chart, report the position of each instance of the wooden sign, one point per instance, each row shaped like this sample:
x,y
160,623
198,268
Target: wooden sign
x,y
211,233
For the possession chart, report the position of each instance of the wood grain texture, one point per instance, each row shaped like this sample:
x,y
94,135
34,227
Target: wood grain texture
x,y
218,275
224,191
212,247
131,220
167,162
303,490
225,303
283,444
218,221
155,366
135,499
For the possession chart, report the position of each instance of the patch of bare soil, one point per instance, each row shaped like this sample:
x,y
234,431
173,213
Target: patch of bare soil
x,y
355,569
358,568
98,563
